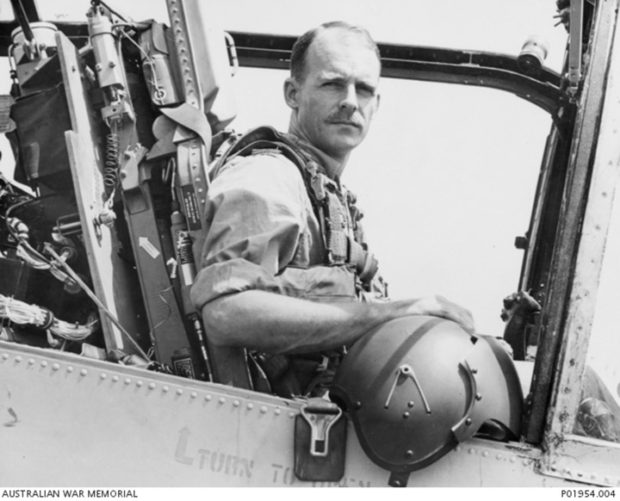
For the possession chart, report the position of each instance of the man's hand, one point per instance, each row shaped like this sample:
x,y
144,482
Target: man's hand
x,y
439,306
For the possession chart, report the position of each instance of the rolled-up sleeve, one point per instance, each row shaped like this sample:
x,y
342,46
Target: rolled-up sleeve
x,y
255,219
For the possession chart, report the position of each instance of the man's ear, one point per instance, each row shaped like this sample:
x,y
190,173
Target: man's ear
x,y
291,92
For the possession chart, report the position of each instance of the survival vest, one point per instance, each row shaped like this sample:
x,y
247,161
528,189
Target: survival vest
x,y
333,206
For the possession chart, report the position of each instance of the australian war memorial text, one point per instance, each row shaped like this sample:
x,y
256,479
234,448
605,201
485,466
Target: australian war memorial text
x,y
68,493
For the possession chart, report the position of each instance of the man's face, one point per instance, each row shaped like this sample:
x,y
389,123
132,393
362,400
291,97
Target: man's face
x,y
336,100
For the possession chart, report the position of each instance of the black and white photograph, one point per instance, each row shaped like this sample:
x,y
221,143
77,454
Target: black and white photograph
x,y
270,244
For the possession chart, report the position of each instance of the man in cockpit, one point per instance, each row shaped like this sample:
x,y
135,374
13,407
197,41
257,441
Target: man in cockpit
x,y
285,269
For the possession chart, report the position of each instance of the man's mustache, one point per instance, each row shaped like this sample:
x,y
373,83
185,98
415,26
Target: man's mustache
x,y
344,118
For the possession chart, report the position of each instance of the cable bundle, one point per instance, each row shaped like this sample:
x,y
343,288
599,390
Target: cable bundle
x,y
23,313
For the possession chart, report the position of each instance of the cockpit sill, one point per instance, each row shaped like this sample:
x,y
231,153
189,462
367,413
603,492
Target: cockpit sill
x,y
174,407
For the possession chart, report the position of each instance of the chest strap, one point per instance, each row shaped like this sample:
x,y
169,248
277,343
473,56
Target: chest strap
x,y
340,215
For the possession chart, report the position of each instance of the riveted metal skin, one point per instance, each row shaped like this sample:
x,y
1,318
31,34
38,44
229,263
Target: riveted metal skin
x,y
583,460
156,435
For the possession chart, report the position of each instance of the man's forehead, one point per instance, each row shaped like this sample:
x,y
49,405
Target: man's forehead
x,y
341,39
332,46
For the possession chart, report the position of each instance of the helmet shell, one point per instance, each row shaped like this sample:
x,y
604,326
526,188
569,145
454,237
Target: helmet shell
x,y
416,386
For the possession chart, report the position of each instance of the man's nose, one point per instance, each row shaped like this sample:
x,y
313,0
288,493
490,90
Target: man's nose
x,y
349,99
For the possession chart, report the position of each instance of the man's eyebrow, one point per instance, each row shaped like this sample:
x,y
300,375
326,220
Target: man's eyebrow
x,y
367,86
335,77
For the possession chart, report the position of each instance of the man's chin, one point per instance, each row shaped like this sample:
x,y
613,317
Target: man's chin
x,y
349,141
341,147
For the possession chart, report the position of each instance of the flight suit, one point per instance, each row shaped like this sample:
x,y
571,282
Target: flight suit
x,y
265,230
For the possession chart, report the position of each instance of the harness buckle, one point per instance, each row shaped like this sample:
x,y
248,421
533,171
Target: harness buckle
x,y
320,441
320,416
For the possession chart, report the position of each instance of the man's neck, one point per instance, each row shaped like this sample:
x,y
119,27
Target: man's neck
x,y
333,166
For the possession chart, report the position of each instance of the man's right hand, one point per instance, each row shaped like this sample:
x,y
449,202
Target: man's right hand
x,y
439,306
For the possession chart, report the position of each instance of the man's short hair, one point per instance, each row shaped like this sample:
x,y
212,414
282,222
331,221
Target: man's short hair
x,y
300,47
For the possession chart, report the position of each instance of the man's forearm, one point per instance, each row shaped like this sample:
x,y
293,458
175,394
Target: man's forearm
x,y
281,324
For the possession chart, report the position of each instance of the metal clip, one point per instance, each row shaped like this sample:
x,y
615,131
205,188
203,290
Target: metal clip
x,y
406,371
320,418
317,182
129,172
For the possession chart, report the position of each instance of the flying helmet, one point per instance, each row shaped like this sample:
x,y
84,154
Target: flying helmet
x,y
417,386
